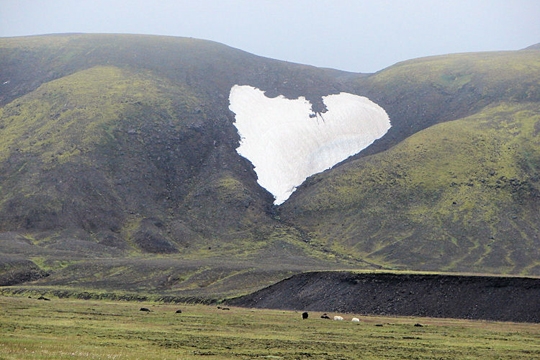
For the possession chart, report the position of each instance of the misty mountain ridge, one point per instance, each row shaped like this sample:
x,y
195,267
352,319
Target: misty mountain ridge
x,y
121,152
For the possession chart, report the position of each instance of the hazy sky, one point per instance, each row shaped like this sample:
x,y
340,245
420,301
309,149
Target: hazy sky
x,y
353,35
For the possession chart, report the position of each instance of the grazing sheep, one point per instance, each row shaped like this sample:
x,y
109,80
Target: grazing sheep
x,y
144,309
355,320
338,318
179,311
325,316
305,315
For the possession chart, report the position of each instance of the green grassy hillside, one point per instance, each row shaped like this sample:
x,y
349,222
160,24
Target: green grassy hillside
x,y
422,92
437,194
135,131
459,196
125,156
122,147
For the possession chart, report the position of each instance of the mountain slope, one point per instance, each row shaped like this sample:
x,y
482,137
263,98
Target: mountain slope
x,y
422,92
95,147
124,147
129,139
459,196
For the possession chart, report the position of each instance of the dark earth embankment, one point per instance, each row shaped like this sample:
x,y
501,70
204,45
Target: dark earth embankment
x,y
448,296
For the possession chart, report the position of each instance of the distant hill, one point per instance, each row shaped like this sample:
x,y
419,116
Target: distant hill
x,y
533,47
119,151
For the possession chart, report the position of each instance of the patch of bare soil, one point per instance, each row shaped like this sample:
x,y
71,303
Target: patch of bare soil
x,y
442,296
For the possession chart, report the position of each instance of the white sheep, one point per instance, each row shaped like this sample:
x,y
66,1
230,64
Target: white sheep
x,y
339,318
355,320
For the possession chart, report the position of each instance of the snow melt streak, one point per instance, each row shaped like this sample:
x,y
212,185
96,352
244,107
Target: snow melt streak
x,y
286,143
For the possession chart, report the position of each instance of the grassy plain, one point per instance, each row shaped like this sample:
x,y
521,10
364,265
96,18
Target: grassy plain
x,y
66,328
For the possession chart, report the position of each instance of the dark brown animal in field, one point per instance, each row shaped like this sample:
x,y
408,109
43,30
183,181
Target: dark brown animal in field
x,y
305,315
324,316
144,309
178,311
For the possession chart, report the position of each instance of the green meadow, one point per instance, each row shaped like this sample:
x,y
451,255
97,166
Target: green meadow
x,y
85,329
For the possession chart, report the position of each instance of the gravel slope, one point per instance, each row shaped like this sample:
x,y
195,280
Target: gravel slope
x,y
467,297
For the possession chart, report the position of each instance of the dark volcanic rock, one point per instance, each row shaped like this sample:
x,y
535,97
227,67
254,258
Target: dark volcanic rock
x,y
14,271
448,296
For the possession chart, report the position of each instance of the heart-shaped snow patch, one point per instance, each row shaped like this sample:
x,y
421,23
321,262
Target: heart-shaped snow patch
x,y
286,142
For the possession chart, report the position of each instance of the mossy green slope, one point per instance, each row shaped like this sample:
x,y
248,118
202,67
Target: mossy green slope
x,y
459,196
121,156
123,146
422,92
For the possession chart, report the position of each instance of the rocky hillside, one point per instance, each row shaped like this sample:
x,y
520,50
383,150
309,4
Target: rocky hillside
x,y
124,147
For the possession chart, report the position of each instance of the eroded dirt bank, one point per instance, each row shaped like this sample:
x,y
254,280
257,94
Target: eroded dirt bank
x,y
467,297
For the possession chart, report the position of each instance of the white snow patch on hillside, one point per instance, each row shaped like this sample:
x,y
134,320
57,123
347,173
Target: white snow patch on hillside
x,y
286,142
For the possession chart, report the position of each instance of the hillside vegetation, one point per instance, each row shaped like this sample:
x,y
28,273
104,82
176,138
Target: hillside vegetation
x,y
422,92
118,156
459,196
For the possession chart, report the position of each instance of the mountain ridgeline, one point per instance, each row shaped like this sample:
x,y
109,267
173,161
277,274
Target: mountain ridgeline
x,y
123,147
